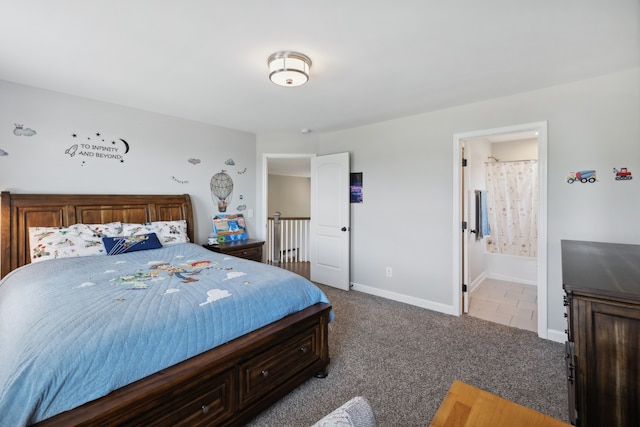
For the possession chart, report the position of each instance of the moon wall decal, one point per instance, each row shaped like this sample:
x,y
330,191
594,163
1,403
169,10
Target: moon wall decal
x,y
126,146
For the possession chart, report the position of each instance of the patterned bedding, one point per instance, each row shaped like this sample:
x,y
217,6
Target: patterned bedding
x,y
74,329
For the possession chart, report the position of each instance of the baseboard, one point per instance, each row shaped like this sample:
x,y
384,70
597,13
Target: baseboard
x,y
557,336
418,302
473,285
511,279
552,335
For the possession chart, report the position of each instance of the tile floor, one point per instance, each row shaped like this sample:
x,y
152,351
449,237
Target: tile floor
x,y
508,303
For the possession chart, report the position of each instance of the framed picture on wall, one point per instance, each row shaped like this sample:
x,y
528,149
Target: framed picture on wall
x,y
356,187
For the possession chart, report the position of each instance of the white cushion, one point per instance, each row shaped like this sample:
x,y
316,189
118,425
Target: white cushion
x,y
355,413
76,240
168,232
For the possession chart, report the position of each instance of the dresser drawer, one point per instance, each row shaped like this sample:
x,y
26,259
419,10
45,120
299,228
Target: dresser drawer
x,y
268,370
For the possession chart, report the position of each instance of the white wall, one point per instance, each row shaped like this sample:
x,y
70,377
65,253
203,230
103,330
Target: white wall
x,y
526,149
405,221
289,195
159,149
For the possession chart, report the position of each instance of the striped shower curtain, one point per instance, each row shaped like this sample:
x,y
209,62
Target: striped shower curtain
x,y
512,205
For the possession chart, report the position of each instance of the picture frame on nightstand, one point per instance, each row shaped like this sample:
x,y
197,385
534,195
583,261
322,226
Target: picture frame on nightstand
x,y
229,227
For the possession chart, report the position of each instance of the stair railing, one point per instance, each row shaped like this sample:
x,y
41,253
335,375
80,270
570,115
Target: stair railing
x,y
287,239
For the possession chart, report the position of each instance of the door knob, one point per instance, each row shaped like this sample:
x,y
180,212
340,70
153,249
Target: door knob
x,y
344,229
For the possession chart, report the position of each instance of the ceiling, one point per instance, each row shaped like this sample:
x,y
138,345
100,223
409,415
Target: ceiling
x,y
373,60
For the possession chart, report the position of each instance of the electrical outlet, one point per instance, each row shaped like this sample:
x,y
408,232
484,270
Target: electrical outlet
x,y
389,272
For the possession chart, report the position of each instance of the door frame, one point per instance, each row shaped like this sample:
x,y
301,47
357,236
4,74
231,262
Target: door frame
x,y
541,128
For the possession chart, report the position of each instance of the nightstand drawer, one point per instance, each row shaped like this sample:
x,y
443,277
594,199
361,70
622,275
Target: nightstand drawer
x,y
254,254
247,249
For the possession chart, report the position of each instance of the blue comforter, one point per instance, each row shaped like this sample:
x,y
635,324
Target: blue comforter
x,y
74,329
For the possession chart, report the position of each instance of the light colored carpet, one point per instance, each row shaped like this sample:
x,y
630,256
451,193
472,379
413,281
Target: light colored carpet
x,y
404,359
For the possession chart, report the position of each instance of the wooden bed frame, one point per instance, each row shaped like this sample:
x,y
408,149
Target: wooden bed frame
x,y
228,385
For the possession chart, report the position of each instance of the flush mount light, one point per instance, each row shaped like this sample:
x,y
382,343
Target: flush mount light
x,y
289,68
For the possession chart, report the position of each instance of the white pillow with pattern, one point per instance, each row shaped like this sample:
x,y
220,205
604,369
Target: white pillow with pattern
x,y
73,241
168,232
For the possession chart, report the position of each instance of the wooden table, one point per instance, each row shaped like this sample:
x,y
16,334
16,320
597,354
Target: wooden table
x,y
466,406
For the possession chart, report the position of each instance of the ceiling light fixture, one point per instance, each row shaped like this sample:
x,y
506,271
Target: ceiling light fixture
x,y
289,68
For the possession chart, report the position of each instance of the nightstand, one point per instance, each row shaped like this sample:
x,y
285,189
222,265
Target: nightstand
x,y
248,249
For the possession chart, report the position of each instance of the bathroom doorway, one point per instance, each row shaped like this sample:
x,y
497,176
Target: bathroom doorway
x,y
503,182
514,285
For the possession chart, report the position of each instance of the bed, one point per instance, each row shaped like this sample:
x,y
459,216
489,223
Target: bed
x,y
182,379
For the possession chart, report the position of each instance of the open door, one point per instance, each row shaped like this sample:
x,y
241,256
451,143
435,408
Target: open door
x,y
330,220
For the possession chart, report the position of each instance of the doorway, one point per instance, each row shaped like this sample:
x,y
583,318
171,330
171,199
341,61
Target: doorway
x,y
461,207
330,230
289,169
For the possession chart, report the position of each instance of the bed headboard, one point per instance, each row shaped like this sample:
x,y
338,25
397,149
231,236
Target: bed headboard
x,y
18,212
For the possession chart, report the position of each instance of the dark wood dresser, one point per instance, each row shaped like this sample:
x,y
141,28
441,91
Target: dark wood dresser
x,y
248,249
602,286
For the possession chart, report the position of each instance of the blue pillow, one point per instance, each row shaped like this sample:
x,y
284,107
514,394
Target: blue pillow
x,y
123,245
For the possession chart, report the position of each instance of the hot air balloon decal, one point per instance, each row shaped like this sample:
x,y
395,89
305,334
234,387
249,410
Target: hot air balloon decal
x,y
221,190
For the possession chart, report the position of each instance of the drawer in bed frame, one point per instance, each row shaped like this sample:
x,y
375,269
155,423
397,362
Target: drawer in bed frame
x,y
270,369
228,385
207,400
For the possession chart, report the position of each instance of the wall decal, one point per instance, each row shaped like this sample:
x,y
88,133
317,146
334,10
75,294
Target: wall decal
x,y
3,153
587,175
71,151
242,172
221,186
178,180
193,161
230,162
21,131
126,145
241,208
623,174
98,147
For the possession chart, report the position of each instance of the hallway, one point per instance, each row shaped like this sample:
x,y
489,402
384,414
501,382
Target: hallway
x,y
301,268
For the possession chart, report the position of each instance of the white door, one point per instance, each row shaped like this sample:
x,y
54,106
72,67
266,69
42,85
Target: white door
x,y
330,220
